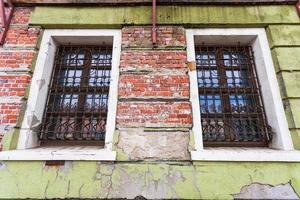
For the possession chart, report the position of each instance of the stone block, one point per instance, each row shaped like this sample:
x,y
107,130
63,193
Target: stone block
x,y
284,35
138,144
295,133
289,84
292,110
286,58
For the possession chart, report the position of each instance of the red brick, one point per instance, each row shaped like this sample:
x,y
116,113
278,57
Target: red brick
x,y
140,37
9,112
136,85
154,114
21,15
8,86
22,36
15,59
152,59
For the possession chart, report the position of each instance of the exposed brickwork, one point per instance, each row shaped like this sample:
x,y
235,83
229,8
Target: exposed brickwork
x,y
132,85
21,16
131,60
140,37
9,113
14,85
22,36
157,77
16,54
154,114
16,59
154,93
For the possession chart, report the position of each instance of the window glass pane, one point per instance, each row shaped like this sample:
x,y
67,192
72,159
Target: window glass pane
x,y
99,77
97,101
210,104
231,108
74,57
206,59
78,100
70,77
101,58
237,78
208,78
234,59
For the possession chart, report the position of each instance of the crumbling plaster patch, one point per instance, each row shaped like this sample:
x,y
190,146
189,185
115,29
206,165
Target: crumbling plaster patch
x,y
266,191
151,179
138,144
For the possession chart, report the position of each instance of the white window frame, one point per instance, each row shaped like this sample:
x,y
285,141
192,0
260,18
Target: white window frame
x,y
28,147
281,147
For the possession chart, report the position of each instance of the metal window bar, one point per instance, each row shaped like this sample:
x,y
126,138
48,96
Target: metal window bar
x,y
78,96
232,112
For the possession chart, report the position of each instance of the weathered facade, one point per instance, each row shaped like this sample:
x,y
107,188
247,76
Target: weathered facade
x,y
152,145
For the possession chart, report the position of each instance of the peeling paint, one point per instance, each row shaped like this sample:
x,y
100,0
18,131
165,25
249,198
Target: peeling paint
x,y
266,191
151,180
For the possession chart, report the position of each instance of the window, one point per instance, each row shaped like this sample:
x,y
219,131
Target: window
x,y
72,98
235,97
232,112
78,98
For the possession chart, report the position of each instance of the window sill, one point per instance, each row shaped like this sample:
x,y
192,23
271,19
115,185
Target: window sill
x,y
60,153
246,154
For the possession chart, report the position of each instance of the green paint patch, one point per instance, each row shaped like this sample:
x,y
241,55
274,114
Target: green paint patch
x,y
10,139
207,180
284,35
121,156
191,16
295,133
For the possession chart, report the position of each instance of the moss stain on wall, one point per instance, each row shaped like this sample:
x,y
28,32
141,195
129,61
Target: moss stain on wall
x,y
214,180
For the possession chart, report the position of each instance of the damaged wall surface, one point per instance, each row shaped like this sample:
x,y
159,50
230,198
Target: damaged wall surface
x,y
156,180
153,138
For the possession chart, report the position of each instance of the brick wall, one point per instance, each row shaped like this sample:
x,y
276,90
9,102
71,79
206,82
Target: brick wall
x,y
16,57
153,94
153,85
153,74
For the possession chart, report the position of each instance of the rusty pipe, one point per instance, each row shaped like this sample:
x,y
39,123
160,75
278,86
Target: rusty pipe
x,y
5,18
298,7
154,34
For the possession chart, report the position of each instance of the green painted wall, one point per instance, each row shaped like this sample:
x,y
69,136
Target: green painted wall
x,y
95,17
285,45
216,180
281,22
208,180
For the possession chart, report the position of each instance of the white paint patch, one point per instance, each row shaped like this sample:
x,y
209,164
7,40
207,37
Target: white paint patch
x,y
60,153
239,154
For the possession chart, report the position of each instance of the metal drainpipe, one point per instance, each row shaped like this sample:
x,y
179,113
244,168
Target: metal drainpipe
x,y
154,36
5,18
298,7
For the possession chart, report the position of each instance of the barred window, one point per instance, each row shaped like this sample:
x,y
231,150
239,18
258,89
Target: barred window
x,y
232,112
77,101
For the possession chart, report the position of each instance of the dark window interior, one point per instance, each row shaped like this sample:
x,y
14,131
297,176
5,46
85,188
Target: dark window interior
x,y
78,95
231,107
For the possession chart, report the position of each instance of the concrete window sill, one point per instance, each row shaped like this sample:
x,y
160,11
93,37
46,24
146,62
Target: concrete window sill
x,y
60,153
246,154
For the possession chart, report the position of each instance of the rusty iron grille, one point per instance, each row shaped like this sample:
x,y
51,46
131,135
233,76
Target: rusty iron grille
x,y
77,101
232,112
